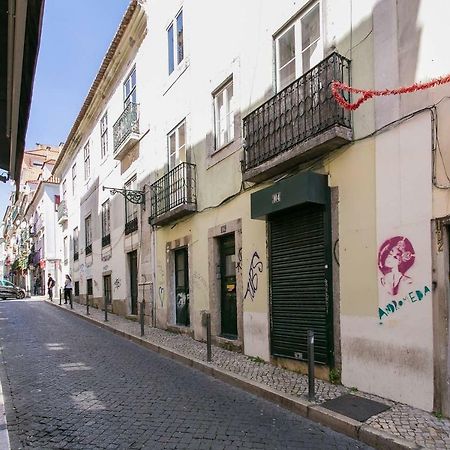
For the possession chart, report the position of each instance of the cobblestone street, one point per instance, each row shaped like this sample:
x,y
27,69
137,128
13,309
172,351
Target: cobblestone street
x,y
69,384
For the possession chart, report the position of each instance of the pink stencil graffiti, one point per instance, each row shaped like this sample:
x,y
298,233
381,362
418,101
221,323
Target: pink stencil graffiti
x,y
395,258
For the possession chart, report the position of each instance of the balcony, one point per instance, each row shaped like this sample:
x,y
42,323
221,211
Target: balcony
x,y
126,131
62,212
174,195
300,123
131,226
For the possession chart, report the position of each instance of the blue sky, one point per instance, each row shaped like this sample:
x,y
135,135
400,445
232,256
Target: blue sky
x,y
75,37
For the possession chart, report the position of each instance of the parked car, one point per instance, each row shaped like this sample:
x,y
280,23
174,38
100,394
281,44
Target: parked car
x,y
10,290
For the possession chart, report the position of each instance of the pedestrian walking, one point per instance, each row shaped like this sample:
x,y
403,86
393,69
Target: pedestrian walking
x,y
50,286
37,286
68,290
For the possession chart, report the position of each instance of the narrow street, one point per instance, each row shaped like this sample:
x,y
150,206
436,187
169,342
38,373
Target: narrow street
x,y
69,384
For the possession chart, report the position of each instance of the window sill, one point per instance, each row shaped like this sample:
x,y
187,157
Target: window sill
x,y
223,152
176,74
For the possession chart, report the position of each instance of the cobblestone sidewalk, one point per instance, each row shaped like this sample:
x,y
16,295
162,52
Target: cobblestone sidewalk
x,y
400,420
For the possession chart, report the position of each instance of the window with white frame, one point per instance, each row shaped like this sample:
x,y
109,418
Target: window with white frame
x,y
88,233
74,178
131,209
224,115
129,88
176,143
106,218
175,42
87,161
104,135
298,47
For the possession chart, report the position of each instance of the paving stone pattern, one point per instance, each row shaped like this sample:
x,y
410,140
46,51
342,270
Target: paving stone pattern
x,y
71,385
401,420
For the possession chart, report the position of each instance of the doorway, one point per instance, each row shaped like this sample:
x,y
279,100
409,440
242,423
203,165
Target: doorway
x,y
228,306
107,290
132,264
182,287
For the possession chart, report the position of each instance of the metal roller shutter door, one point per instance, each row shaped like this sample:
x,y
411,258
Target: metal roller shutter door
x,y
298,282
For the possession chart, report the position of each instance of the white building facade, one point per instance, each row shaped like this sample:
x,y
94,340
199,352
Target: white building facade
x,y
259,198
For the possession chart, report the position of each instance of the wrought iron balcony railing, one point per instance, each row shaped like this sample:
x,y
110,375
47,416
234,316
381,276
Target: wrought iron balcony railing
x,y
174,194
62,212
300,111
131,226
88,249
106,240
126,125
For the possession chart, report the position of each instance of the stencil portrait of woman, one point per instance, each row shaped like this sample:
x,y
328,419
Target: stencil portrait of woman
x,y
395,258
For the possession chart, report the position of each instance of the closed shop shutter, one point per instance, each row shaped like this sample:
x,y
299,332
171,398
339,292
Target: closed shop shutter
x,y
299,293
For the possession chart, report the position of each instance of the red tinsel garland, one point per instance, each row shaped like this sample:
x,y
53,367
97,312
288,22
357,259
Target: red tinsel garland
x,y
337,87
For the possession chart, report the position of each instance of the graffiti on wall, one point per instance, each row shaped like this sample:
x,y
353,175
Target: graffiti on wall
x,y
394,305
256,266
161,295
117,283
239,261
395,257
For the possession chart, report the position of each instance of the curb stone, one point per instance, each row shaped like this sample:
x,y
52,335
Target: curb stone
x,y
312,411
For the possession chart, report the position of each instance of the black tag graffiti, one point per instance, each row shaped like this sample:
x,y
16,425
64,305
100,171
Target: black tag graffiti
x,y
256,266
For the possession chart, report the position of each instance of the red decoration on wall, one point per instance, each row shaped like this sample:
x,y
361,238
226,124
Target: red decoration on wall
x,y
366,94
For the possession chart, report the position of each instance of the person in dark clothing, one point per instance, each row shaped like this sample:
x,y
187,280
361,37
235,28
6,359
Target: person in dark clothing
x,y
68,290
50,286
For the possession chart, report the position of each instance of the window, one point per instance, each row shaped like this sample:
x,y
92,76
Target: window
x,y
77,288
299,47
88,234
224,115
74,178
176,142
175,42
104,135
65,250
87,161
64,190
129,89
106,224
131,209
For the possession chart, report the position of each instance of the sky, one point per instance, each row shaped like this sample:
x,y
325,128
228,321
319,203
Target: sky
x,y
75,37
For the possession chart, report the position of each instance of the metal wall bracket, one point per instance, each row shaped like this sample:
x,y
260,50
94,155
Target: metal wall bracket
x,y
136,197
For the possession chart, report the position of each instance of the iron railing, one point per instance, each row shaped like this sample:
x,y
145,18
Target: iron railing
x,y
131,225
127,123
301,110
175,188
88,249
62,211
106,240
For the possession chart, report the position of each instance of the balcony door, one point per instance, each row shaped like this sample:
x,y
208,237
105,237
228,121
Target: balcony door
x,y
298,47
176,142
